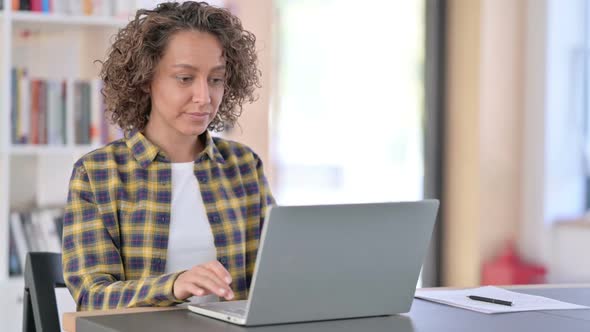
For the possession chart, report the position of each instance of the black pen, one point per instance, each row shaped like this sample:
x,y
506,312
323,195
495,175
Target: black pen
x,y
489,300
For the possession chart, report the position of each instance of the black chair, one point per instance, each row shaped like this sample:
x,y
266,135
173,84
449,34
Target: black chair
x,y
43,273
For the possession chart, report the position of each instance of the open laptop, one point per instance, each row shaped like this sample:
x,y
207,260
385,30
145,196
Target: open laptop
x,y
333,261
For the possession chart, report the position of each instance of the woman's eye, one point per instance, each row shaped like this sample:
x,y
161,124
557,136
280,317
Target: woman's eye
x,y
217,81
184,79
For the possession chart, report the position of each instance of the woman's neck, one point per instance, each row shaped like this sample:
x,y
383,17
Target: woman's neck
x,y
178,148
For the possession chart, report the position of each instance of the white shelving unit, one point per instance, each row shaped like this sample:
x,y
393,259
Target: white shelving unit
x,y
30,20
59,47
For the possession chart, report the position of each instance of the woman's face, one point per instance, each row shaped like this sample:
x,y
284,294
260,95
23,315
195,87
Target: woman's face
x,y
188,84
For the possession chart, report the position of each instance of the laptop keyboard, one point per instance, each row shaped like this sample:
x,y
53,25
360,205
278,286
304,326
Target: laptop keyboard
x,y
233,308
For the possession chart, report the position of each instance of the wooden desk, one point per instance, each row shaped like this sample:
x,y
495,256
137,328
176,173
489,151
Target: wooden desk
x,y
69,318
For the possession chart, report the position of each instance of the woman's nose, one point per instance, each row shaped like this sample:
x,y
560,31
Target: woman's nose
x,y
201,92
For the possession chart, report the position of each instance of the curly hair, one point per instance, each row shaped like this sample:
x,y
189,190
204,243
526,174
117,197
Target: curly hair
x,y
138,47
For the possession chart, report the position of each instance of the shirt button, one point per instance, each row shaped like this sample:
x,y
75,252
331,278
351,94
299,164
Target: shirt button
x,y
216,218
203,179
223,260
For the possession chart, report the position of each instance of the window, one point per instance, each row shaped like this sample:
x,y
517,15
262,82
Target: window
x,y
347,125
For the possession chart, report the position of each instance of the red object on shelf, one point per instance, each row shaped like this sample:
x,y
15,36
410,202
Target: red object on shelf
x,y
509,269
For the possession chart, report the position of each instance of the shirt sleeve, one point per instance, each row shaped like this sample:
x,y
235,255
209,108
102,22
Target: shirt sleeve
x,y
266,197
92,265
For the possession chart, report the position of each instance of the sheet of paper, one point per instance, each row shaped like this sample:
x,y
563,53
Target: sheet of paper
x,y
520,301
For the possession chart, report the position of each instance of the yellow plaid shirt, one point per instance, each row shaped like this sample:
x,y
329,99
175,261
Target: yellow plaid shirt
x,y
116,224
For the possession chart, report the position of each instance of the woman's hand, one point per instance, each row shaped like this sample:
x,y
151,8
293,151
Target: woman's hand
x,y
204,279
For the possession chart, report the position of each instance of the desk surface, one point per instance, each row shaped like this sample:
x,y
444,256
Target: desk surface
x,y
424,317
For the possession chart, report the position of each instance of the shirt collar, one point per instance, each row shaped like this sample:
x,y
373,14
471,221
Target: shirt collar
x,y
211,149
145,152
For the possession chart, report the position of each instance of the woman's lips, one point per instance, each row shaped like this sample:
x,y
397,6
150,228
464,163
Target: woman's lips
x,y
198,115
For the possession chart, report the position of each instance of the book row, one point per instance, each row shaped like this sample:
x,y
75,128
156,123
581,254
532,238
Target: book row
x,y
41,111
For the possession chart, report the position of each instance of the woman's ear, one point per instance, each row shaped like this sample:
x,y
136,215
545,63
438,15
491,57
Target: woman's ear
x,y
146,89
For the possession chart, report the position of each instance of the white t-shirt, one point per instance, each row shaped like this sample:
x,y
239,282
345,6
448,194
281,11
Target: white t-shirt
x,y
190,240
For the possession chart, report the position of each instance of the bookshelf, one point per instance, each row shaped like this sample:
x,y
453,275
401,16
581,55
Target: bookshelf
x,y
53,21
30,150
48,47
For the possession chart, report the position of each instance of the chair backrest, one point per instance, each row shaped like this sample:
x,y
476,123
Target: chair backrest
x,y
43,273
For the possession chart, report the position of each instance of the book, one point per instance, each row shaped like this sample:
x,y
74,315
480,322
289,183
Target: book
x,y
42,109
36,6
37,229
20,240
55,113
14,120
87,7
39,111
30,236
46,5
24,5
123,8
74,7
34,138
103,7
96,112
14,262
24,106
59,7
48,231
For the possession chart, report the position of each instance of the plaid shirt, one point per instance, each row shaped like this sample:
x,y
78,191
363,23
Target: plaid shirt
x,y
116,224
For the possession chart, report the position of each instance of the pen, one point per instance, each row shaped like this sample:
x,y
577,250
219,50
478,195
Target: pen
x,y
489,300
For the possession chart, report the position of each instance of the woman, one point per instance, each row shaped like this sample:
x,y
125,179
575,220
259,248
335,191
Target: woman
x,y
169,213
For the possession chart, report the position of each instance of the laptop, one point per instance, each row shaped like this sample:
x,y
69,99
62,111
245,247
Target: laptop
x,y
332,262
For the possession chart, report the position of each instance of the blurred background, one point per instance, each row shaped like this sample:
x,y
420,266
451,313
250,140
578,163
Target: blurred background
x,y
483,104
